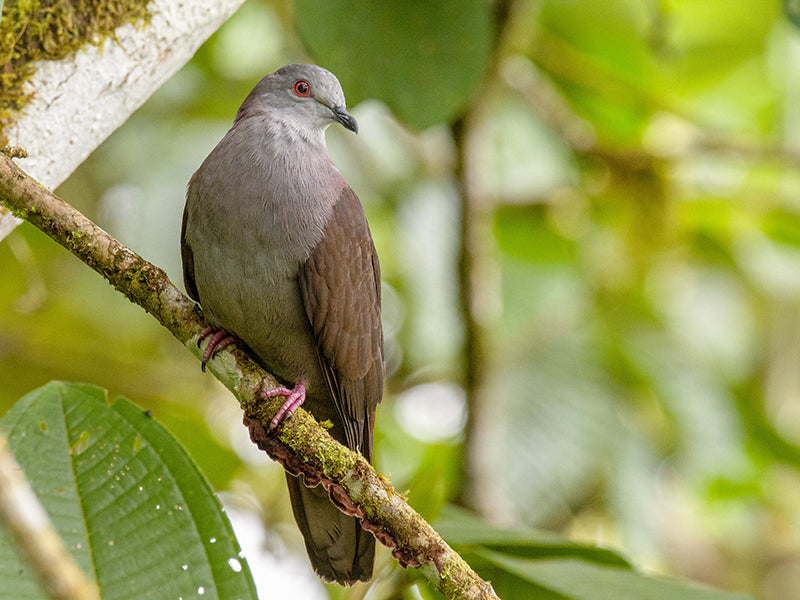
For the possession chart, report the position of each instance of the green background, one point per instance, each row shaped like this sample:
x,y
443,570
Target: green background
x,y
635,165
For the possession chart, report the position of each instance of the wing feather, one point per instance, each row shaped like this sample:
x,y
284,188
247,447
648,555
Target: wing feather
x,y
340,286
187,257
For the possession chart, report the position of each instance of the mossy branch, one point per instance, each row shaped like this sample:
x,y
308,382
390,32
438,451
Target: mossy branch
x,y
35,31
300,444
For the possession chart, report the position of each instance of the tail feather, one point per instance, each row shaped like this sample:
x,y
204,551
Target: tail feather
x,y
339,549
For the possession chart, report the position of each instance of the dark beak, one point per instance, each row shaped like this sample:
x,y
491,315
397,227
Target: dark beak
x,y
341,115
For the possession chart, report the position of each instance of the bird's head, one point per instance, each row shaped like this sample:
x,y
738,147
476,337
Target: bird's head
x,y
307,96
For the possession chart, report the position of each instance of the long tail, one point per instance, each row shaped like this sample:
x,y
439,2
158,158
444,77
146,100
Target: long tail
x,y
339,549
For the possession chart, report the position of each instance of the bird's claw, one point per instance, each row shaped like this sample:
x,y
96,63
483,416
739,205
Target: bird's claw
x,y
294,398
219,340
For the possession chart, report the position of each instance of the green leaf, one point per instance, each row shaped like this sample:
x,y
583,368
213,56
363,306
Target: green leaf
x,y
790,7
462,529
533,564
579,580
434,481
423,59
598,51
782,226
129,503
524,233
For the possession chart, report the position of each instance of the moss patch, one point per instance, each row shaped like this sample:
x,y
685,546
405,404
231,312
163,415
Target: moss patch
x,y
35,30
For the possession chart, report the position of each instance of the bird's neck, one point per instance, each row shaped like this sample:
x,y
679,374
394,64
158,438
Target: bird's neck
x,y
286,132
282,130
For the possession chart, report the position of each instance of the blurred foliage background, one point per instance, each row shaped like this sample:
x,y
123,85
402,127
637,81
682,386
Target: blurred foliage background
x,y
588,219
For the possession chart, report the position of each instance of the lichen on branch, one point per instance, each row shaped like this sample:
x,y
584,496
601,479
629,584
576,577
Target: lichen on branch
x,y
36,30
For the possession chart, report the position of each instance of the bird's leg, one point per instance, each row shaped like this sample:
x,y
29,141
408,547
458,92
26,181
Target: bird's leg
x,y
218,341
294,398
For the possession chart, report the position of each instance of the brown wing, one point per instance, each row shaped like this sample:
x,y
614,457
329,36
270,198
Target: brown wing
x,y
187,258
340,286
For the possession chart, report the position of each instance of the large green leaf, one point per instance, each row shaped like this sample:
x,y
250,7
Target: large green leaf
x,y
579,580
423,59
461,529
533,564
129,503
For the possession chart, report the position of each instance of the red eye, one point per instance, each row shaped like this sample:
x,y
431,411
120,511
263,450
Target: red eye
x,y
301,88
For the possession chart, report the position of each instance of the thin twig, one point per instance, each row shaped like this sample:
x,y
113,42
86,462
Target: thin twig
x,y
27,521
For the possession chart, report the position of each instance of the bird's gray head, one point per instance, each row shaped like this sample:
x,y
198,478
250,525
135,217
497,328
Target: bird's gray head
x,y
302,96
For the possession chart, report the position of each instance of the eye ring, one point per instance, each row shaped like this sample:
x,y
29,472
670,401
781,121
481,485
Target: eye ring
x,y
301,88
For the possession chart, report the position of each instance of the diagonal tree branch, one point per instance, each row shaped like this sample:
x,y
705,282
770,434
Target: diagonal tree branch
x,y
300,444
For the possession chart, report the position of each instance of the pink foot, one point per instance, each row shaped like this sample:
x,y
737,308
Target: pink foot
x,y
220,340
294,398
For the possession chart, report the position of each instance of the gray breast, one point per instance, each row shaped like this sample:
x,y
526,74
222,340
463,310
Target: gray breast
x,y
253,217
